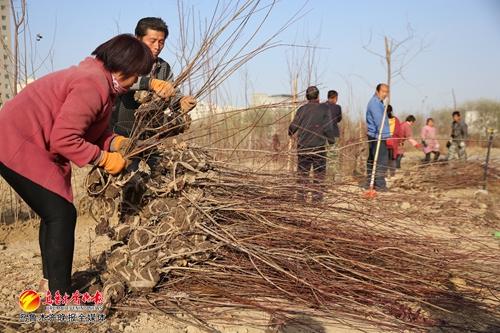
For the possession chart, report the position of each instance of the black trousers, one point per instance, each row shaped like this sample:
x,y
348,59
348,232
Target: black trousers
x,y
428,156
135,189
315,159
57,228
383,156
392,162
398,161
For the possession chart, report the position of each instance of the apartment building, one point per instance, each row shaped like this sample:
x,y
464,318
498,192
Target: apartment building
x,y
6,84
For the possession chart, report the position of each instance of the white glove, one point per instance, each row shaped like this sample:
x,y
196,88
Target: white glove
x,y
462,144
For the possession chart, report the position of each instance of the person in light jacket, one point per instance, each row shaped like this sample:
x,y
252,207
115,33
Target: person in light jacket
x,y
377,122
59,119
429,141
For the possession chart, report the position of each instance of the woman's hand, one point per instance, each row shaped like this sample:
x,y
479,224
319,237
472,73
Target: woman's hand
x,y
164,89
112,162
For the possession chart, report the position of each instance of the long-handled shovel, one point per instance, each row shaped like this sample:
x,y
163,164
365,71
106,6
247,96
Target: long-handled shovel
x,y
371,193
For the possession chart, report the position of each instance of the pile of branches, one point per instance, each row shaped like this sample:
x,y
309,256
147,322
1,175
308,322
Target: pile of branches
x,y
195,236
448,175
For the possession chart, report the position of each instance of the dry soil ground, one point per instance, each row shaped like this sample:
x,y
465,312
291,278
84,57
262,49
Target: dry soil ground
x,y
21,269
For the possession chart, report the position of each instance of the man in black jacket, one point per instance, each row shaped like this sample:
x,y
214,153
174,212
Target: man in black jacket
x,y
336,112
313,126
153,32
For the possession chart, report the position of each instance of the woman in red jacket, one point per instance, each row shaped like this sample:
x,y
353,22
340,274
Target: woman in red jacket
x,y
61,118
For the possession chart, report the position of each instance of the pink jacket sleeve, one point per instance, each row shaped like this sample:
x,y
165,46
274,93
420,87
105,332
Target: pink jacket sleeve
x,y
104,142
423,133
80,109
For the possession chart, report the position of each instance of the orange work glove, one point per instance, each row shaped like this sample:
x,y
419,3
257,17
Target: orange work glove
x,y
164,89
119,143
187,103
112,163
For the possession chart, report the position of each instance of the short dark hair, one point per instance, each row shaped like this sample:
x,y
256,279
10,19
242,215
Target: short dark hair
x,y
312,92
429,119
455,113
411,119
380,85
389,111
332,94
125,53
153,23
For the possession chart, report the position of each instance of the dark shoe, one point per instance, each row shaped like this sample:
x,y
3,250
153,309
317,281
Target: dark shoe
x,y
381,189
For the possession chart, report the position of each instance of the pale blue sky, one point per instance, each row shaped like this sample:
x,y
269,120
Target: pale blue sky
x,y
463,38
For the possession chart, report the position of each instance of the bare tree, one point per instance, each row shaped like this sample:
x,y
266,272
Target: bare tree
x,y
454,98
18,20
398,54
303,67
23,57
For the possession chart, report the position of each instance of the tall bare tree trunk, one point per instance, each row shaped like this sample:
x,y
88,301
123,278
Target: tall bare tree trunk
x,y
292,115
454,99
18,20
388,54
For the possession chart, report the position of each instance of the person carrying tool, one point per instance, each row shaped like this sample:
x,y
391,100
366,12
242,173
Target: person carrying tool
x,y
60,118
456,146
313,125
429,141
378,131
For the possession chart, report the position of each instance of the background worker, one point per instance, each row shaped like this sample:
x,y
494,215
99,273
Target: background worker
x,y
336,114
407,135
374,117
429,141
60,118
393,141
312,124
456,146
